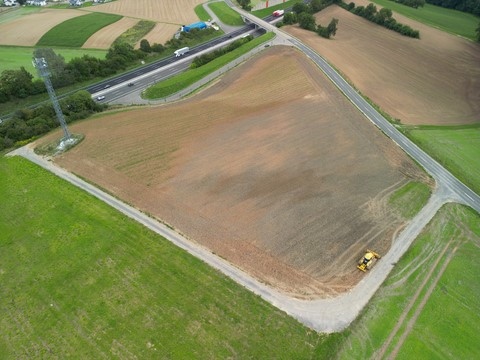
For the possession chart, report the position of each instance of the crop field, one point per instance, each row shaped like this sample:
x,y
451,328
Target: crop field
x,y
13,57
16,28
82,281
433,80
178,12
457,148
103,38
429,306
76,31
293,184
160,34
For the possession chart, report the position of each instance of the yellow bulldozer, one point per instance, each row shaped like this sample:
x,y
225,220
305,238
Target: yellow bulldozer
x,y
367,260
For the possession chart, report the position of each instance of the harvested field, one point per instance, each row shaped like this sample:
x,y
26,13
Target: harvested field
x,y
19,31
168,11
434,80
160,34
280,175
103,38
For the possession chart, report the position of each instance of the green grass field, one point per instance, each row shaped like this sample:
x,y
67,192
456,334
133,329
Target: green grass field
x,y
452,21
74,32
449,322
226,15
80,280
17,13
13,57
410,199
201,13
181,81
457,148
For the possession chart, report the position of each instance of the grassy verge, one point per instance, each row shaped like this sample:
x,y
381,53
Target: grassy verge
x,y
176,83
410,199
137,32
201,13
74,32
455,147
268,11
14,57
451,21
449,321
226,14
84,281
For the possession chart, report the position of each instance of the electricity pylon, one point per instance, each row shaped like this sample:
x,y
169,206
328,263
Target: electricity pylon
x,y
42,67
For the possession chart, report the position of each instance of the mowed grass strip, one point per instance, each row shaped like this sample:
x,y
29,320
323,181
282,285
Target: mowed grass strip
x,y
202,14
179,82
449,20
449,323
455,147
81,280
74,32
226,14
410,199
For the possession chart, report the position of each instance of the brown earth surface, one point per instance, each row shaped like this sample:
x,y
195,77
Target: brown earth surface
x,y
28,29
179,12
280,175
103,38
160,34
432,80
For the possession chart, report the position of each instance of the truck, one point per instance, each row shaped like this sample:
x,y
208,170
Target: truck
x,y
278,13
181,51
198,25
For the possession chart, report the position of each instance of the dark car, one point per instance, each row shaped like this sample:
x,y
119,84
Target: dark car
x,y
131,84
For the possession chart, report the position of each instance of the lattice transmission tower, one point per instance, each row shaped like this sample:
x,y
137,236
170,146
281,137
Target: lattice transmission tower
x,y
42,68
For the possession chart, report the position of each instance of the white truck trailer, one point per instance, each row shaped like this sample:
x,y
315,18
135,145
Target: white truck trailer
x,y
181,51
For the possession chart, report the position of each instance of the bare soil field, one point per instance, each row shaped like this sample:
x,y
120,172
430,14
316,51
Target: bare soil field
x,y
280,175
179,12
432,80
27,30
160,34
103,38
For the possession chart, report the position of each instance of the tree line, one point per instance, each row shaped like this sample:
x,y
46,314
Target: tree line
x,y
382,17
303,15
468,6
27,124
206,58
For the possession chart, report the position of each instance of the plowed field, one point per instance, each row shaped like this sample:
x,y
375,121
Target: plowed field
x,y
168,11
28,29
278,174
105,37
432,80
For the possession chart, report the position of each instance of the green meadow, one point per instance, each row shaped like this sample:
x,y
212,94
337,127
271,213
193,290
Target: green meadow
x,y
226,14
74,32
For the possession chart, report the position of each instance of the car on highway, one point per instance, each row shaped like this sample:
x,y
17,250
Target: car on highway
x,y
107,86
101,97
131,84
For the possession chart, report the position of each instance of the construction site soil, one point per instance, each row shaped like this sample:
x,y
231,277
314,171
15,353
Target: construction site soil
x,y
434,80
270,168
